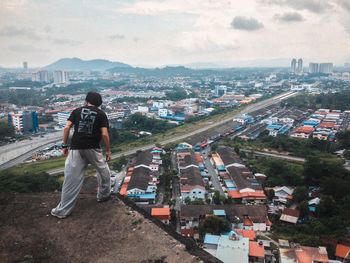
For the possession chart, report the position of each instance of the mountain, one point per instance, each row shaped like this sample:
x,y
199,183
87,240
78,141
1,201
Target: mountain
x,y
79,64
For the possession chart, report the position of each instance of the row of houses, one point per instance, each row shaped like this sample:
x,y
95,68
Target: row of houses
x,y
247,217
142,178
190,169
323,124
240,182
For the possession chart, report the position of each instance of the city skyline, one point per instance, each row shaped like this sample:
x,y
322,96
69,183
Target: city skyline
x,y
158,33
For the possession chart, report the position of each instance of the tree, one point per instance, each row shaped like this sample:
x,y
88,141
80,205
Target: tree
x,y
270,194
6,130
300,194
327,207
187,200
214,225
303,208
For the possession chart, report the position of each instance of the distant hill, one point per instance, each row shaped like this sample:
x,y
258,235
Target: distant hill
x,y
79,64
158,72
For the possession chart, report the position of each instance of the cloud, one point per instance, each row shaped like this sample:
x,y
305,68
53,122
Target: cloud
x,y
315,6
13,31
344,4
246,23
117,37
289,17
27,49
64,41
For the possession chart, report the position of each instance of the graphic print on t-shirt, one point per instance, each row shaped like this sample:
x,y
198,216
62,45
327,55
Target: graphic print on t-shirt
x,y
87,121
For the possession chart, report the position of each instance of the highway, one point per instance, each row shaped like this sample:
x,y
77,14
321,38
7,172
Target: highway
x,y
23,150
248,109
15,153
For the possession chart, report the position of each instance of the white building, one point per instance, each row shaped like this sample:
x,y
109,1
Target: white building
x,y
62,118
60,77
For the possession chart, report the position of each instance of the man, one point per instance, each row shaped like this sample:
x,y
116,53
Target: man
x,y
90,126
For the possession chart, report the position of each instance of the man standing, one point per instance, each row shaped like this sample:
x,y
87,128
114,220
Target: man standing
x,y
90,126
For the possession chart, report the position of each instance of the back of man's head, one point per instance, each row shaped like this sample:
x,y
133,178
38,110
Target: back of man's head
x,y
94,98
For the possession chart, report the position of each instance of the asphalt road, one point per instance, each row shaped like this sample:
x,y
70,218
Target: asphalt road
x,y
248,109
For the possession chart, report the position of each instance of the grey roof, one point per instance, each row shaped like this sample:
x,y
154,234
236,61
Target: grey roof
x,y
244,178
139,178
228,155
191,176
144,157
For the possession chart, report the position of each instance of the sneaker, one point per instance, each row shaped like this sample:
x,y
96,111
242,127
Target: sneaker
x,y
103,199
53,213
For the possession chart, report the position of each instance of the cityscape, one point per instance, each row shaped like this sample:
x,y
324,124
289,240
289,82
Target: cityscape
x,y
244,158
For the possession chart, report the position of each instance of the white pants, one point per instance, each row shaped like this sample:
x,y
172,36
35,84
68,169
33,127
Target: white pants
x,y
74,172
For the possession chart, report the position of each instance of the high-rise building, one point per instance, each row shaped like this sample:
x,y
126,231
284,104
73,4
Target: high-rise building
x,y
60,76
293,65
41,76
220,90
300,65
25,65
24,121
326,68
313,67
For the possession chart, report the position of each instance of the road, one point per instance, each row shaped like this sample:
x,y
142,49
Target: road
x,y
11,154
248,109
211,170
275,155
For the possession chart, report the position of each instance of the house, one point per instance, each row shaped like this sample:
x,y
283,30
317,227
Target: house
x,y
313,204
161,213
304,254
192,184
290,215
256,252
233,247
248,233
283,194
303,132
211,241
248,217
342,252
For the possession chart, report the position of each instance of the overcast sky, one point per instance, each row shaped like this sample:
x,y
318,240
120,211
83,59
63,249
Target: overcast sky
x,y
167,32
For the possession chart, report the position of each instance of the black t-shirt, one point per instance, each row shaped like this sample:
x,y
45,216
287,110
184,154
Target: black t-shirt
x,y
87,121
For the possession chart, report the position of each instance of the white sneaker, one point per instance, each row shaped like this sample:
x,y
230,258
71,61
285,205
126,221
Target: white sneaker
x,y
53,213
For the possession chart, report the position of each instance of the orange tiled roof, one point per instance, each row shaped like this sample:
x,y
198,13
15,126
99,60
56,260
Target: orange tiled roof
x,y
246,233
342,250
326,124
304,129
253,195
247,222
310,254
160,211
234,194
123,189
256,250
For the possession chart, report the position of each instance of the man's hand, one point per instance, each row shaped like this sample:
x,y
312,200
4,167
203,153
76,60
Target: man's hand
x,y
65,151
108,156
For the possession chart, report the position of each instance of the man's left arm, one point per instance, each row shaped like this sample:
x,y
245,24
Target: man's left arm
x,y
66,131
105,138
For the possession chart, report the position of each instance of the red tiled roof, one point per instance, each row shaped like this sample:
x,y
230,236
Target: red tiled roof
x,y
246,233
247,222
311,254
342,251
304,129
160,211
290,212
256,250
234,194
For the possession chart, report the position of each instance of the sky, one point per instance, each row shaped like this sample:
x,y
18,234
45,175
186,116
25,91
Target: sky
x,y
173,32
